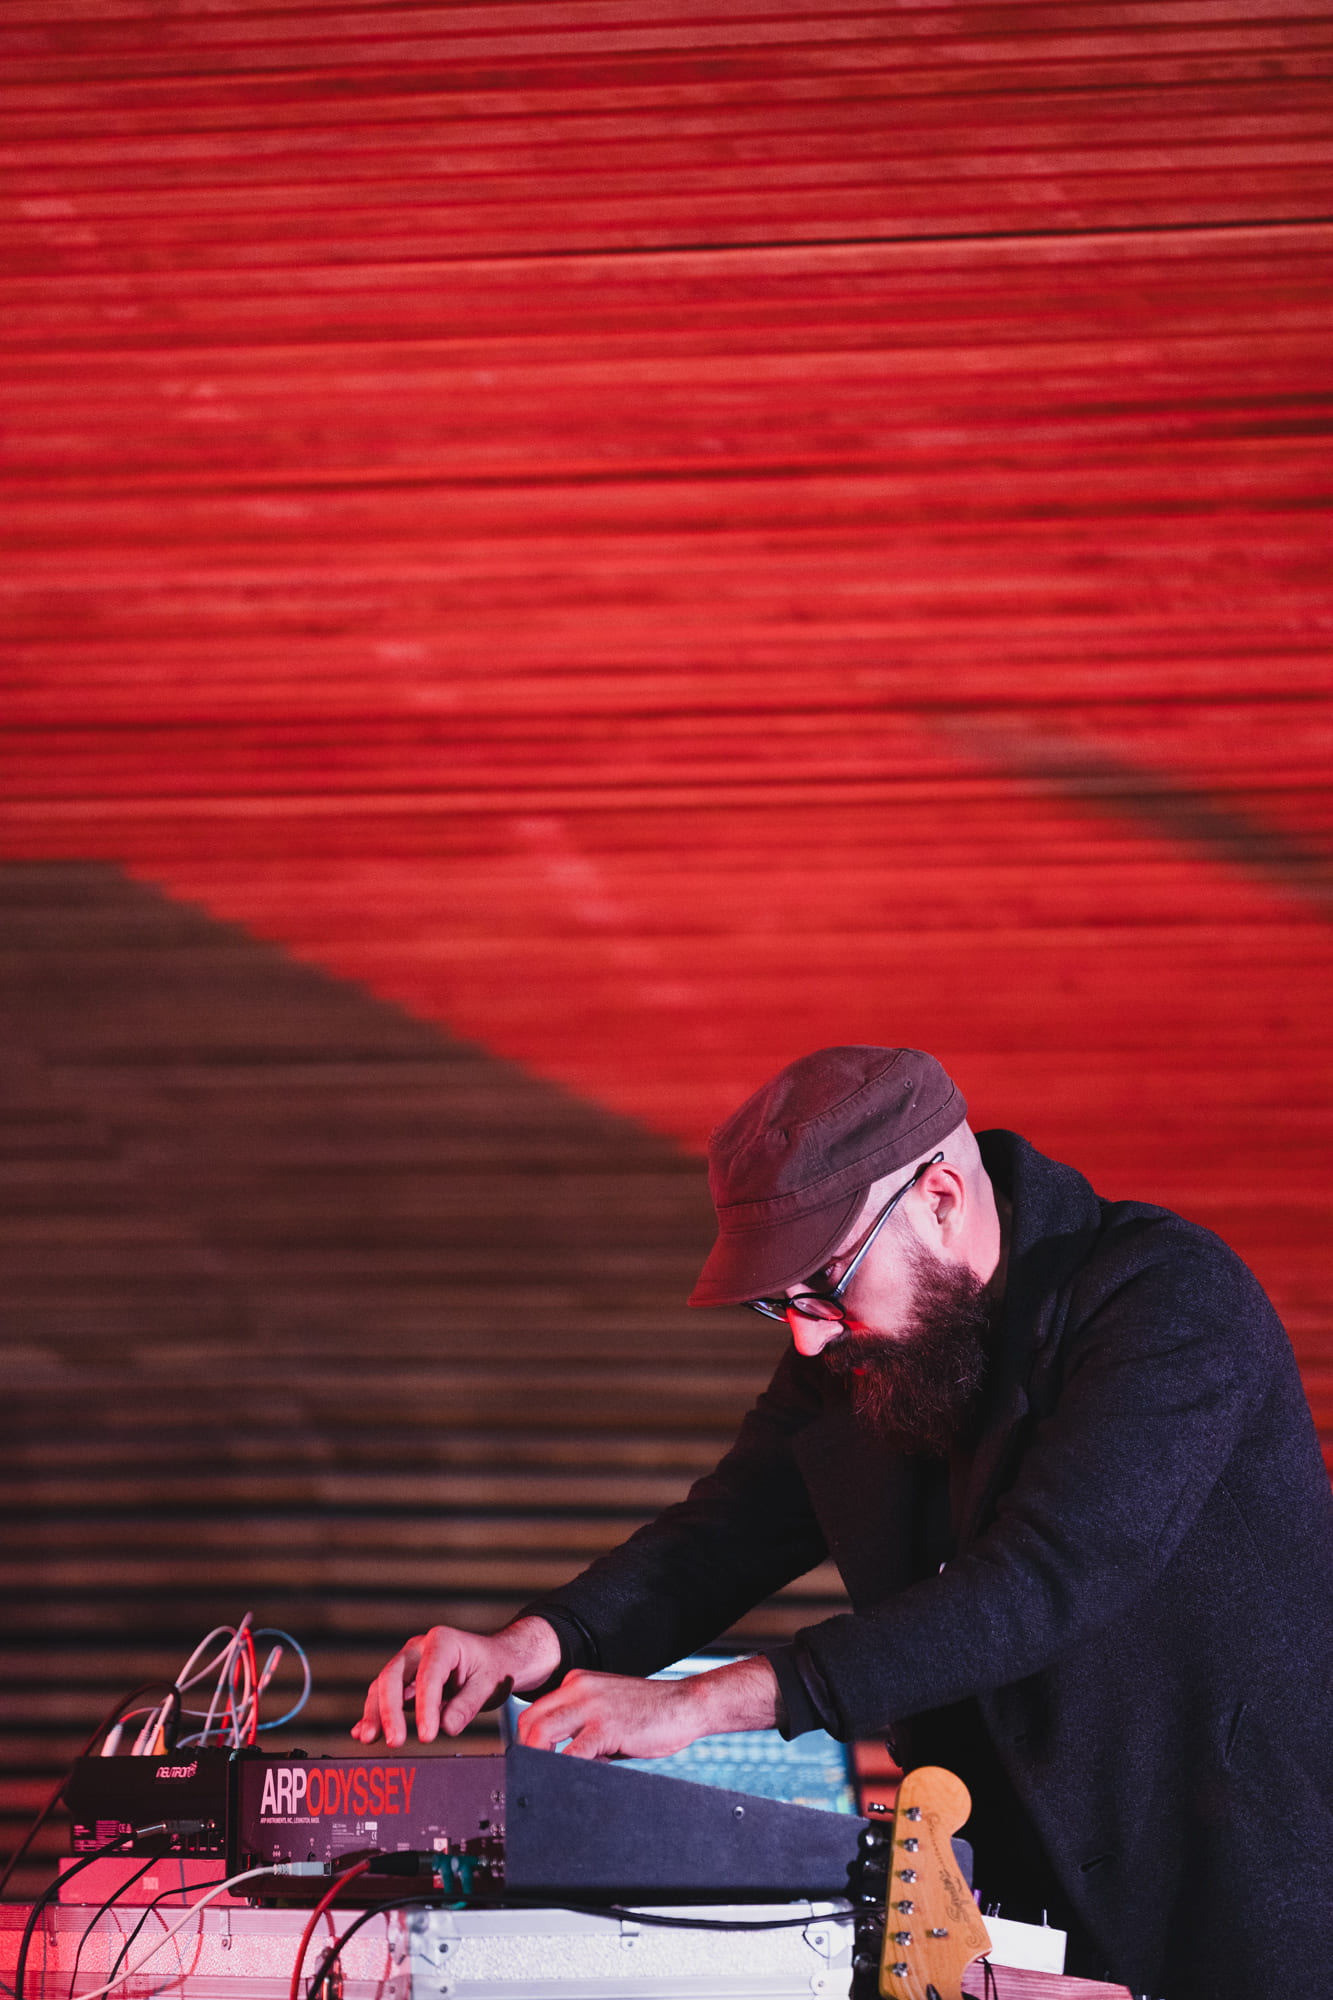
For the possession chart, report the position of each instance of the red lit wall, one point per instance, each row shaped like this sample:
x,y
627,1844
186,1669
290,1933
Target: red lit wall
x,y
660,537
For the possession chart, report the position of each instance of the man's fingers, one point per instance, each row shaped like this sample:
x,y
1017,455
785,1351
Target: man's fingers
x,y
537,1725
436,1670
478,1689
367,1725
458,1677
611,1715
555,1718
589,1741
450,1676
384,1701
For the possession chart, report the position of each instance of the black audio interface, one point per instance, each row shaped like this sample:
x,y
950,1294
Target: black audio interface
x,y
185,1793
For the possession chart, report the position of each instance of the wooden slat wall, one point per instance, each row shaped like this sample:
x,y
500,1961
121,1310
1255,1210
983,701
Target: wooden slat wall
x,y
650,539
312,1310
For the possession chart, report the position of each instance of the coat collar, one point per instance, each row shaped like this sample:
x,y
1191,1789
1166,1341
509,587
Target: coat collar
x,y
1054,1225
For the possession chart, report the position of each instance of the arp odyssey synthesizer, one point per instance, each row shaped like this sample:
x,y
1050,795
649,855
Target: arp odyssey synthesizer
x,y
544,1824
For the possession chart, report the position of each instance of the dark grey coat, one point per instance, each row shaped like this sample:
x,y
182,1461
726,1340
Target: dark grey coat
x,y
1142,1597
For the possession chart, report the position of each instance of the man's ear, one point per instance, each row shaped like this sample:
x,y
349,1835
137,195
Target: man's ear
x,y
944,1192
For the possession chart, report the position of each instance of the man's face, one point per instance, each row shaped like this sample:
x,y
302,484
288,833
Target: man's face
x,y
915,1347
920,1388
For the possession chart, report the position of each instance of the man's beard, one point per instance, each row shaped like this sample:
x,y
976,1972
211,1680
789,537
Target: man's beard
x,y
920,1390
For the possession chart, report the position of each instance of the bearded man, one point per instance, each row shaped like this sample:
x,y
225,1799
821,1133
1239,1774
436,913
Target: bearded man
x,y
1059,1450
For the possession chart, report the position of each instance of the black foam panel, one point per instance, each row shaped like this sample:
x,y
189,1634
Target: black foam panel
x,y
592,1832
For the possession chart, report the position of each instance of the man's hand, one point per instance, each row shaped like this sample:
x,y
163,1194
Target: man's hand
x,y
609,1715
454,1675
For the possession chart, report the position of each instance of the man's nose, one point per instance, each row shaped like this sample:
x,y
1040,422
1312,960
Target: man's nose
x,y
812,1336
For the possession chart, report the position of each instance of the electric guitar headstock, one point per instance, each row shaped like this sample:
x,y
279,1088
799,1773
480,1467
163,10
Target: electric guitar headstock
x,y
933,1929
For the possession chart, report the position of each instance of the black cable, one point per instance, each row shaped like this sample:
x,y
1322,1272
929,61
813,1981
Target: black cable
x,y
709,1923
51,1890
989,1988
149,1908
112,1715
665,1921
99,1913
330,1958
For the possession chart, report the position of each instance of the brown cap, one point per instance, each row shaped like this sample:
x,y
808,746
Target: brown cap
x,y
789,1170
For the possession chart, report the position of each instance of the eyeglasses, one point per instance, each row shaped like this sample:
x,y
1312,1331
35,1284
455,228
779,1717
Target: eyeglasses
x,y
829,1305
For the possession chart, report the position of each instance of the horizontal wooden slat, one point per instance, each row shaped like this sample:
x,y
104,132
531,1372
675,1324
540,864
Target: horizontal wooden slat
x,y
649,541
182,1444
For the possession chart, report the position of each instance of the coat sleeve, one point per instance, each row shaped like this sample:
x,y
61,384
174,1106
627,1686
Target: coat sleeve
x,y
1165,1358
744,1531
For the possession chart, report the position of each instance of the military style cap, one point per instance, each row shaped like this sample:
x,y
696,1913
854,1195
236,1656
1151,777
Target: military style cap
x,y
789,1170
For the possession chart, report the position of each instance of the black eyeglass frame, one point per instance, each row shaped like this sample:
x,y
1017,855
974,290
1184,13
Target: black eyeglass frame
x,y
796,1302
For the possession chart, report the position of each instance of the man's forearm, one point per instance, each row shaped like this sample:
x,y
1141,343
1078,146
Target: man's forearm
x,y
743,1695
533,1649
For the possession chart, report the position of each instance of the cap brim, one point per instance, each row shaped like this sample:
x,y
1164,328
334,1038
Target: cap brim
x,y
758,1263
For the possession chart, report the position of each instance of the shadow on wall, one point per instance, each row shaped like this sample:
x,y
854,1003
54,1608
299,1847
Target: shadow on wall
x,y
310,1311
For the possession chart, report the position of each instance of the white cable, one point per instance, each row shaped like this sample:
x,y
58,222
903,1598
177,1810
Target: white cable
x,y
238,1715
144,1741
218,1632
234,1719
250,1706
243,1654
155,1717
226,1656
219,1889
224,1676
187,1678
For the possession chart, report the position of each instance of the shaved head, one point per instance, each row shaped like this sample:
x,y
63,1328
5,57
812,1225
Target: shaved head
x,y
960,1150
